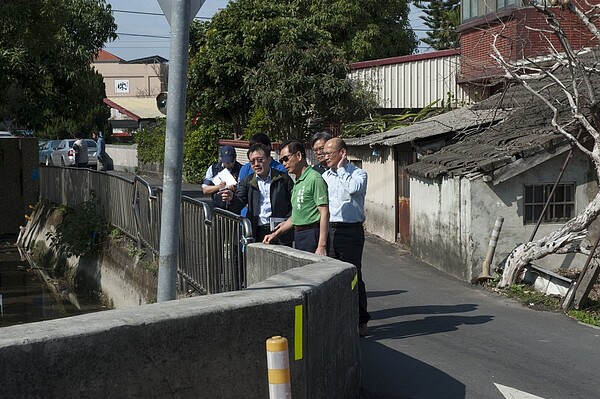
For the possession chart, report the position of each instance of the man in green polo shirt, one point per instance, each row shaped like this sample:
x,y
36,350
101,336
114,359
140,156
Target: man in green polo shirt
x,y
310,202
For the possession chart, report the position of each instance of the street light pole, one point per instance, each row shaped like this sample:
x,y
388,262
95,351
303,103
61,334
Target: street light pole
x,y
173,163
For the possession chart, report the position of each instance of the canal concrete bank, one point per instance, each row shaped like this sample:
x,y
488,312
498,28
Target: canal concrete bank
x,y
118,269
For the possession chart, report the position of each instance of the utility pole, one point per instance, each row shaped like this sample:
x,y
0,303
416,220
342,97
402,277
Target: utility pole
x,y
179,13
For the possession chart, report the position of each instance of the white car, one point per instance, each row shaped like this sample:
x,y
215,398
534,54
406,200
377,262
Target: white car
x,y
4,133
64,155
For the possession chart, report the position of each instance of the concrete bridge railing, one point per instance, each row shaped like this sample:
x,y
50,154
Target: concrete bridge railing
x,y
202,347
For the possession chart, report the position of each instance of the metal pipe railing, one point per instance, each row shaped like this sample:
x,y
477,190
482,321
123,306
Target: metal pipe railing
x,y
212,243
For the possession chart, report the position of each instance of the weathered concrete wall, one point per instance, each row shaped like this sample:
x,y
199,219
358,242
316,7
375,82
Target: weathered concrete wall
x,y
452,219
440,225
506,200
19,175
264,264
123,157
125,279
205,347
380,201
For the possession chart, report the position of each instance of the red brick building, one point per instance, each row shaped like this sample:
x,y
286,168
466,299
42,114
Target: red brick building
x,y
521,31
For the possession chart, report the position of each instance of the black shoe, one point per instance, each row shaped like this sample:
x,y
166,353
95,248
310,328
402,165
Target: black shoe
x,y
362,330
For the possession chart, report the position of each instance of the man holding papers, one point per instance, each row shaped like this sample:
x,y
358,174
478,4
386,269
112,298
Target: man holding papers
x,y
268,194
221,176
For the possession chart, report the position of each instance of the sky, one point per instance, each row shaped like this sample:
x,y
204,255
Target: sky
x,y
144,31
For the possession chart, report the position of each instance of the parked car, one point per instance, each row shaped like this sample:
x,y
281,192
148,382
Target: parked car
x,y
64,155
46,149
4,133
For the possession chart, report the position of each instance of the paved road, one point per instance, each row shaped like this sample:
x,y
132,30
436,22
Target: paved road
x,y
432,336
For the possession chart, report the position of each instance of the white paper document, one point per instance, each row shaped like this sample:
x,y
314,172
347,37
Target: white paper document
x,y
225,176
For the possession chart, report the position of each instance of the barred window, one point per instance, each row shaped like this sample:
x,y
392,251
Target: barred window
x,y
560,209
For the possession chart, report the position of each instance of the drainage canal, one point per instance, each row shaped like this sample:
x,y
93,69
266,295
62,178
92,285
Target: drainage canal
x,y
31,293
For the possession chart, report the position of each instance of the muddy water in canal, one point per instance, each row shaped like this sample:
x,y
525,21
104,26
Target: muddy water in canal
x,y
26,297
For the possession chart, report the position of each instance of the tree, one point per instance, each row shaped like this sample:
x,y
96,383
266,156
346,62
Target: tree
x,y
365,29
569,88
302,83
442,17
237,58
46,50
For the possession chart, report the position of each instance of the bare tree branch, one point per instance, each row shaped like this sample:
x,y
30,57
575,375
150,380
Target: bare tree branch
x,y
530,74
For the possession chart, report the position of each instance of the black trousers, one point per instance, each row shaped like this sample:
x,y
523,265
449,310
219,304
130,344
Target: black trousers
x,y
307,239
346,244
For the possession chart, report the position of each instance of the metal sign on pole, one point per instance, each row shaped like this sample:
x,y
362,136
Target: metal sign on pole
x,y
194,6
180,13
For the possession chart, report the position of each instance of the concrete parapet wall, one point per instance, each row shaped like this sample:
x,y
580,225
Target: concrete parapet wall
x,y
265,261
203,347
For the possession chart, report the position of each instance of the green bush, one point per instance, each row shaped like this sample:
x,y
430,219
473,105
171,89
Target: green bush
x,y
200,149
151,142
259,123
81,231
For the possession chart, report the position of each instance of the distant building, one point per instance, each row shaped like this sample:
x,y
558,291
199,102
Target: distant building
x,y
131,90
522,33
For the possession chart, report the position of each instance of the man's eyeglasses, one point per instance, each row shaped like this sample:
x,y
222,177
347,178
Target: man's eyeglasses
x,y
257,160
285,158
330,152
319,150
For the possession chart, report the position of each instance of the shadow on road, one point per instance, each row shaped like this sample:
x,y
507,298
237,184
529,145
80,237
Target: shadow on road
x,y
375,294
426,309
425,326
404,376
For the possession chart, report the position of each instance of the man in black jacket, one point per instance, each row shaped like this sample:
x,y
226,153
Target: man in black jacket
x,y
267,192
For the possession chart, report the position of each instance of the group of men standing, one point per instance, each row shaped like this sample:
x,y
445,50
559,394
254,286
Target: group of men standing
x,y
321,212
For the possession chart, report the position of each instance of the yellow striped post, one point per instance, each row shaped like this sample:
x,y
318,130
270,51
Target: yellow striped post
x,y
278,363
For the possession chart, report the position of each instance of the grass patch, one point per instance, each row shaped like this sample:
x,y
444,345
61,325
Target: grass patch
x,y
586,316
529,297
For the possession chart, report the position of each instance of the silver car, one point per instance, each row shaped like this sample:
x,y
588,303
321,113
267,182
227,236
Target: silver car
x,y
64,155
46,149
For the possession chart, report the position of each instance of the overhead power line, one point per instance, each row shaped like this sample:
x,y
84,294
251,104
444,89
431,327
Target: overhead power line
x,y
141,35
159,14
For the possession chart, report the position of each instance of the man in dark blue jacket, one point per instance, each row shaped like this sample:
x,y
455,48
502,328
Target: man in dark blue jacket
x,y
227,161
267,192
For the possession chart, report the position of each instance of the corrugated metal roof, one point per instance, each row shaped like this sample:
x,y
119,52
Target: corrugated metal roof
x,y
413,82
454,121
525,133
136,107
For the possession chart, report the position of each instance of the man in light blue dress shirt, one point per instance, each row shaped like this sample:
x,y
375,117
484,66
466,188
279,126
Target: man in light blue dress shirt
x,y
347,186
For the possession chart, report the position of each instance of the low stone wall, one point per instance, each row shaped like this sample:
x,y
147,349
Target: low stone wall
x,y
122,158
209,347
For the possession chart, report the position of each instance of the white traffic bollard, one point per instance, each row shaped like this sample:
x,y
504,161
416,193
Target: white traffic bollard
x,y
278,363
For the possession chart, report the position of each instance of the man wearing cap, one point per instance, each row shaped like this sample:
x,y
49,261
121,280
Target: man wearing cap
x,y
227,161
